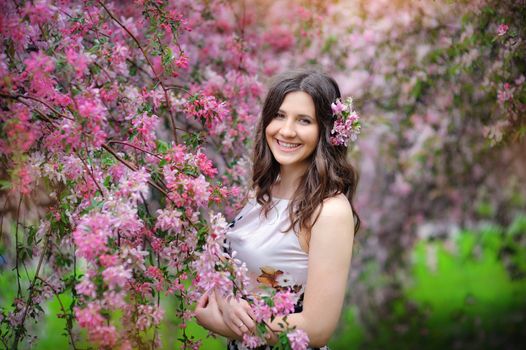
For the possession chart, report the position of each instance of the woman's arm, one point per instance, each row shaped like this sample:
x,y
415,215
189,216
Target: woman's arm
x,y
330,250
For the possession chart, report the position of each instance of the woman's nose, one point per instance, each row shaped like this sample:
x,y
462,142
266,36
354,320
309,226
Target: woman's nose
x,y
287,129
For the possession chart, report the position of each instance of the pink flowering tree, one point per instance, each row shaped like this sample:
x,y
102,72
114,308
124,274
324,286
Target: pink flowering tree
x,y
124,127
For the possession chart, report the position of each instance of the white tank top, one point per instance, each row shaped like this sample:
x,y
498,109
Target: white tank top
x,y
273,258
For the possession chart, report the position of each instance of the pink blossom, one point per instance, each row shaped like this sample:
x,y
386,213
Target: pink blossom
x,y
22,179
337,107
345,130
157,65
17,30
39,12
114,300
89,317
284,303
19,129
182,61
148,315
169,220
39,62
251,341
279,38
502,29
401,187
135,185
262,311
91,235
205,165
107,260
73,167
78,60
206,108
86,287
299,339
200,189
505,93
106,336
155,273
116,276
145,126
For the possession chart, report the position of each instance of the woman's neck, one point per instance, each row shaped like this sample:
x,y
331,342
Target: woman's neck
x,y
288,181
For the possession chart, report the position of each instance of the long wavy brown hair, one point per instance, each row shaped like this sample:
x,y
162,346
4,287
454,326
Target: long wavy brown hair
x,y
329,172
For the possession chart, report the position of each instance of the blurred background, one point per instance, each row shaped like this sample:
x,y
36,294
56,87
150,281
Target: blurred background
x,y
440,260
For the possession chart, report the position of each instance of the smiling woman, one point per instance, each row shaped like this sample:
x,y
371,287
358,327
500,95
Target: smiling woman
x,y
296,233
293,134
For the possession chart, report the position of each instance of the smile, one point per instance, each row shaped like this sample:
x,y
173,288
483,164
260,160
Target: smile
x,y
286,146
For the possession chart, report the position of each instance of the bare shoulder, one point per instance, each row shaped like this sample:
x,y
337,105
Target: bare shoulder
x,y
337,206
336,216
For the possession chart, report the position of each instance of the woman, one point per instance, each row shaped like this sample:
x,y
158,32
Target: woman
x,y
298,231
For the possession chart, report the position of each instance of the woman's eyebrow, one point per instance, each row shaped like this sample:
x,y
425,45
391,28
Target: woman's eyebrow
x,y
299,115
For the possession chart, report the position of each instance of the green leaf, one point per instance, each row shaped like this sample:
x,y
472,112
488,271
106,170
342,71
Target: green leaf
x,y
5,184
161,146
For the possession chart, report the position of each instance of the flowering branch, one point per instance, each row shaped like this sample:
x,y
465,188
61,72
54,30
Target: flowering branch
x,y
136,147
90,174
133,167
168,103
18,97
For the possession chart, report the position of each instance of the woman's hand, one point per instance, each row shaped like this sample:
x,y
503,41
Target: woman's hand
x,y
209,316
237,315
207,312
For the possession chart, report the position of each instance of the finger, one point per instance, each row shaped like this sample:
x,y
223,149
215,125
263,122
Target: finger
x,y
212,301
234,328
244,329
248,322
250,312
203,300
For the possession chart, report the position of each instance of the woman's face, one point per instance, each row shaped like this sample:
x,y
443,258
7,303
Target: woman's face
x,y
293,134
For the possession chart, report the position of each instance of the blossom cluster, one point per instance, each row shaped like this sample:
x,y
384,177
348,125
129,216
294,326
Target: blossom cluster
x,y
267,308
347,123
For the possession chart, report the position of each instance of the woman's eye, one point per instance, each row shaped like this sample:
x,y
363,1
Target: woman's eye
x,y
279,116
305,121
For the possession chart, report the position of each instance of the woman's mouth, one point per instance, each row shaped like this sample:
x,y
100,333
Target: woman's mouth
x,y
287,146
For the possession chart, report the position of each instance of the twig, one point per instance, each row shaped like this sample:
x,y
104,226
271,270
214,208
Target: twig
x,y
136,147
62,308
2,219
18,97
31,288
91,174
19,290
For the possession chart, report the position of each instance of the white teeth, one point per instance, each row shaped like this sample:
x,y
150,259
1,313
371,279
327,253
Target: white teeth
x,y
288,145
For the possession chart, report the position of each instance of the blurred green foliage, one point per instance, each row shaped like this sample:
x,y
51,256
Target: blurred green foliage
x,y
465,293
